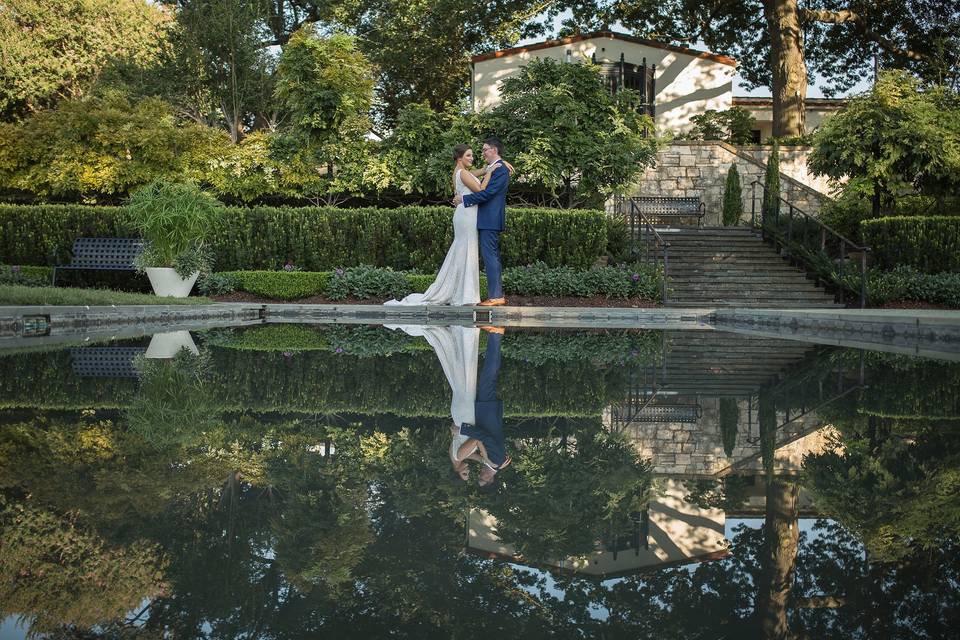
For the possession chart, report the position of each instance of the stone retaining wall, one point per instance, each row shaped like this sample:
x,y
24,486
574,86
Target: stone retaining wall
x,y
677,449
692,168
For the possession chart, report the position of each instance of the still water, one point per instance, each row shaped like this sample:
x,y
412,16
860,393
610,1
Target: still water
x,y
305,481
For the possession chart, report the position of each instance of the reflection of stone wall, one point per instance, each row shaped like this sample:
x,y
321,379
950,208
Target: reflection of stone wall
x,y
696,449
687,168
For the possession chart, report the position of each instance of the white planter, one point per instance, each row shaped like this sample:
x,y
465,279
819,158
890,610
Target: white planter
x,y
166,282
167,345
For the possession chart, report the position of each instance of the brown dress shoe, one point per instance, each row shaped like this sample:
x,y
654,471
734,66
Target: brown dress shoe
x,y
493,302
491,329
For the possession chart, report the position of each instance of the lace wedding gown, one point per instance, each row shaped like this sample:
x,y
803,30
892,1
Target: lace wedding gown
x,y
458,281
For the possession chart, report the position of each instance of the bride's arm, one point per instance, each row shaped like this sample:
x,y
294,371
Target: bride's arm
x,y
471,183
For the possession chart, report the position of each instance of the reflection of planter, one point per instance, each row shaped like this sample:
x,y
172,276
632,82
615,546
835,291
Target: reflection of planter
x,y
167,345
166,282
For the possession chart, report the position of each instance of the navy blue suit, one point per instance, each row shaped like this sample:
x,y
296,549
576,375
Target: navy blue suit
x,y
491,220
488,418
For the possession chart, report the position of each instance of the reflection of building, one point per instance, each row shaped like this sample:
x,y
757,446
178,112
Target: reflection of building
x,y
671,532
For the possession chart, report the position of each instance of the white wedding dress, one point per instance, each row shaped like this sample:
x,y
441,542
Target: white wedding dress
x,y
457,349
458,281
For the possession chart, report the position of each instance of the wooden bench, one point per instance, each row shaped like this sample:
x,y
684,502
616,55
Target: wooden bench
x,y
102,254
664,210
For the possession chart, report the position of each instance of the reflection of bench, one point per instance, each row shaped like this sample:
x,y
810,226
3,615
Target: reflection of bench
x,y
685,413
663,210
102,254
105,362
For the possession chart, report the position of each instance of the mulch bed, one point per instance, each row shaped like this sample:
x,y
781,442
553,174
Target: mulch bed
x,y
513,301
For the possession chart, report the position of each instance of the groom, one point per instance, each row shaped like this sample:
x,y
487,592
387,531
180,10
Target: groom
x,y
491,219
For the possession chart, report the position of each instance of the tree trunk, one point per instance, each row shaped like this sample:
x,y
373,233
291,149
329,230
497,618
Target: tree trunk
x,y
789,70
779,557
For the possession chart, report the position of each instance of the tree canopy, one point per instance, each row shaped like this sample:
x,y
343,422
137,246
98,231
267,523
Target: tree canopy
x,y
51,51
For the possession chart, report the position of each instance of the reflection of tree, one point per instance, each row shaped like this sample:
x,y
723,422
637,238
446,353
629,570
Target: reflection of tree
x,y
55,572
778,558
729,420
567,493
894,482
173,404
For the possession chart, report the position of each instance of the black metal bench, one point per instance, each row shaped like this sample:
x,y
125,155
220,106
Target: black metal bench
x,y
102,254
664,210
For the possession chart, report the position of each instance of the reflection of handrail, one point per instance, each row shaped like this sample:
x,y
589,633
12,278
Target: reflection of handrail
x,y
844,243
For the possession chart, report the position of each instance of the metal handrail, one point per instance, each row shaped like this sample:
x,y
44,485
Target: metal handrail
x,y
658,240
845,244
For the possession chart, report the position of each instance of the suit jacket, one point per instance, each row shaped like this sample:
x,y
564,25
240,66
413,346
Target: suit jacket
x,y
488,410
492,201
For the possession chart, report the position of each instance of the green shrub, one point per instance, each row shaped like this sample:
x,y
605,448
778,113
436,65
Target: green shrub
x,y
771,187
732,198
317,238
618,239
25,276
216,284
729,420
367,282
283,285
928,243
905,283
638,281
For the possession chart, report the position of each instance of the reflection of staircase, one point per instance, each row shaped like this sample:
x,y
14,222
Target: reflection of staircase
x,y
714,363
732,267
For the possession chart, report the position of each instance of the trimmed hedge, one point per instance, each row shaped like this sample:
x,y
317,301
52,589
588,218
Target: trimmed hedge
x,y
905,283
620,346
928,243
637,281
316,238
402,384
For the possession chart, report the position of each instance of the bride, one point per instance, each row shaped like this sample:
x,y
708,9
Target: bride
x,y
458,281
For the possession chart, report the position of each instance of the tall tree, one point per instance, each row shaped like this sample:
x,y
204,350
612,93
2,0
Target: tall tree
x,y
781,45
57,49
421,48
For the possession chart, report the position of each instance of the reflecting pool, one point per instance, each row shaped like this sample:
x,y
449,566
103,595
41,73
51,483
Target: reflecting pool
x,y
356,481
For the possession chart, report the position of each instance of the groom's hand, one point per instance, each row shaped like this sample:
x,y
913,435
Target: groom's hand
x,y
457,199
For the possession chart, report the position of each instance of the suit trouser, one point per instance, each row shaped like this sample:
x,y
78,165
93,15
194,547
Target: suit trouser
x,y
487,380
489,240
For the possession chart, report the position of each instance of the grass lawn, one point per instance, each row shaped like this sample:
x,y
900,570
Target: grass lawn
x,y
20,295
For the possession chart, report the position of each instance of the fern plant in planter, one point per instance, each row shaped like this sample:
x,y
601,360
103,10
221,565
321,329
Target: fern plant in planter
x,y
173,218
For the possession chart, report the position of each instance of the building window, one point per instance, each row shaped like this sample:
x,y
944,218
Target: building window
x,y
755,136
635,77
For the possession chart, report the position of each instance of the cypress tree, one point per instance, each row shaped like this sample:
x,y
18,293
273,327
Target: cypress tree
x,y
732,198
771,182
729,417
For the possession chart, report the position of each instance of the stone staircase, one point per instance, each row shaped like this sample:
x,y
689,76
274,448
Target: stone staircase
x,y
715,363
734,267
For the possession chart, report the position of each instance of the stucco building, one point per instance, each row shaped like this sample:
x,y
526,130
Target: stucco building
x,y
676,82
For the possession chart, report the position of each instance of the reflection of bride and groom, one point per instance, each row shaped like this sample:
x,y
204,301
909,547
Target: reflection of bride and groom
x,y
477,429
480,197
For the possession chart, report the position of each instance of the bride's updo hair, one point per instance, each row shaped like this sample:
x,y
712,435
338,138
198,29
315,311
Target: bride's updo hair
x,y
459,150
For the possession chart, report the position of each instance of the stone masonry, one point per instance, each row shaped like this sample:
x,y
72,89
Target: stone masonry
x,y
699,168
696,450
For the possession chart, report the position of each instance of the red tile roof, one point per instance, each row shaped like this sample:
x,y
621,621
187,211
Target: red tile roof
x,y
605,34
